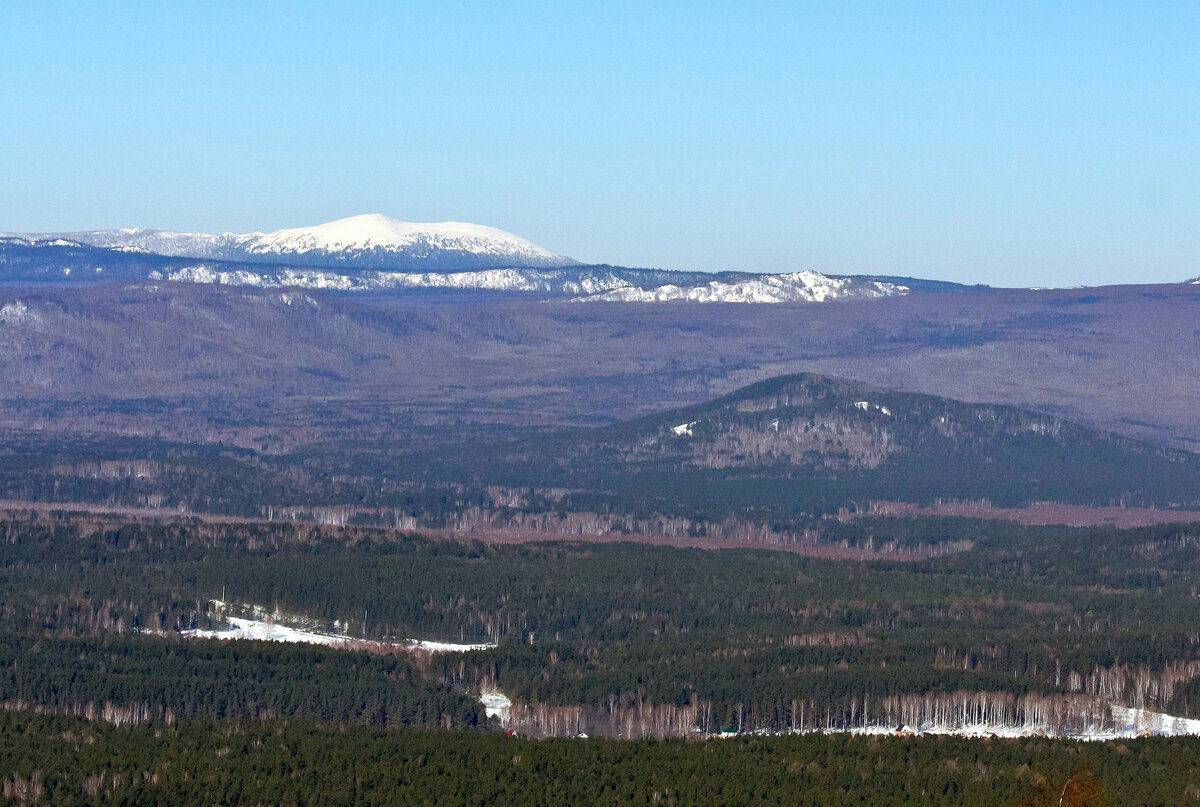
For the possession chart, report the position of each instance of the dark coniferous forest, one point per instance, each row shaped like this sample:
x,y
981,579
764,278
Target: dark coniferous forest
x,y
643,649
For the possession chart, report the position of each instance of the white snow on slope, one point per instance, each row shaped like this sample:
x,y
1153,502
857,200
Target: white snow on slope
x,y
266,631
514,280
16,312
446,647
374,231
784,288
1132,722
163,242
374,252
1126,723
371,235
867,405
587,285
496,704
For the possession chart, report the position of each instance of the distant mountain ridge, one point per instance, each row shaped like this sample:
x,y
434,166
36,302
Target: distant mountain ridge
x,y
807,287
369,241
375,253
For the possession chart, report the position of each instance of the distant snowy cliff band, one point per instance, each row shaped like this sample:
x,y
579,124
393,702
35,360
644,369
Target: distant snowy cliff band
x,y
794,287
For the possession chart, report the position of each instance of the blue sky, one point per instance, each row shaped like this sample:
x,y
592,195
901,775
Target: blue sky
x,y
1002,143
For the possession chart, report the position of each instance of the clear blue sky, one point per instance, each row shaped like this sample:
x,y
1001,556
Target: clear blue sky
x,y
1006,143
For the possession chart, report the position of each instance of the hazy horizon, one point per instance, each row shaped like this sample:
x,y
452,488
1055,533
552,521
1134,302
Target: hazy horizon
x,y
1022,146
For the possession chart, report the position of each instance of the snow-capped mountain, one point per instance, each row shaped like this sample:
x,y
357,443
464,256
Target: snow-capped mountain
x,y
807,287
360,235
363,242
375,253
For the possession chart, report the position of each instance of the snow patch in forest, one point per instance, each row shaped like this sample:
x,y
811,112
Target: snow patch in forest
x,y
1134,722
267,632
684,429
1127,723
867,406
271,630
446,647
496,704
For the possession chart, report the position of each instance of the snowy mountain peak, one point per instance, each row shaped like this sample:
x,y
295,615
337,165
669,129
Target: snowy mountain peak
x,y
371,241
374,231
374,252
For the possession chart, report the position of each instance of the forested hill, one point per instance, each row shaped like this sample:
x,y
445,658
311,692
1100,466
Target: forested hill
x,y
822,442
775,457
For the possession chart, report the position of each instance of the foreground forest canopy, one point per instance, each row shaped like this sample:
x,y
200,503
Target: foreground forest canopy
x,y
56,760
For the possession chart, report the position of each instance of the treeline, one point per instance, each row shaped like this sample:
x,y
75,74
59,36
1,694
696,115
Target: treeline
x,y
59,760
980,714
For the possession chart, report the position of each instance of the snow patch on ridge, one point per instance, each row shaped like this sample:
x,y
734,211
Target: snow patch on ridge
x,y
511,280
17,313
808,287
867,406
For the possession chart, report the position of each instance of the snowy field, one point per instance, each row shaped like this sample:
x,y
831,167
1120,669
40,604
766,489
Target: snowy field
x,y
267,632
496,704
272,631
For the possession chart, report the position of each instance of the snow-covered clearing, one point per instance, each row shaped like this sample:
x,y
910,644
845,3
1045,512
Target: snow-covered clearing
x,y
267,632
496,704
275,629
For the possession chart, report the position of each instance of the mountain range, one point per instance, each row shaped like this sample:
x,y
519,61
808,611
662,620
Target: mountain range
x,y
375,253
369,241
